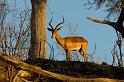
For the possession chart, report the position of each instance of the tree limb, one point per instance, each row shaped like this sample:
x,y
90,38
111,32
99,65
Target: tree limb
x,y
100,21
117,26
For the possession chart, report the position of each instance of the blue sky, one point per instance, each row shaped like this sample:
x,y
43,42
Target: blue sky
x,y
75,13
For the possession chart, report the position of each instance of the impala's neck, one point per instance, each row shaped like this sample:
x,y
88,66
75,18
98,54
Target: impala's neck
x,y
59,39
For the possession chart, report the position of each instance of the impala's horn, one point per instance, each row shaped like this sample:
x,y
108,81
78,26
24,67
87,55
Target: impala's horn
x,y
50,22
60,23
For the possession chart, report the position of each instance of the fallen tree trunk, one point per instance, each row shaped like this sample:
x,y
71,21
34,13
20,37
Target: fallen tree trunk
x,y
27,67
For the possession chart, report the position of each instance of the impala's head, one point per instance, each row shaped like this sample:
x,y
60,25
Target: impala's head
x,y
55,29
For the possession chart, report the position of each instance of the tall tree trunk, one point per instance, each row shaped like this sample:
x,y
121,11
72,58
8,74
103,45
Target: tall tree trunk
x,y
38,29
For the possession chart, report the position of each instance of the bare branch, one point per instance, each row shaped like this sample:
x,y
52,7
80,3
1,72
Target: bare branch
x,y
93,52
100,21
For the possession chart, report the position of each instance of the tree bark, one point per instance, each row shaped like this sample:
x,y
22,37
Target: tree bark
x,y
38,29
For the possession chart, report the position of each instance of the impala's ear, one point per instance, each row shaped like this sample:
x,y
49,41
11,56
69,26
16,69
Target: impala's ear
x,y
49,29
59,28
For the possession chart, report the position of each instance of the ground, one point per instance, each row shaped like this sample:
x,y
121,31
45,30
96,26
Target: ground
x,y
72,68
82,69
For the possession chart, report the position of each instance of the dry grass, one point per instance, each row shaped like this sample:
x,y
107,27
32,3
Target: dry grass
x,y
7,72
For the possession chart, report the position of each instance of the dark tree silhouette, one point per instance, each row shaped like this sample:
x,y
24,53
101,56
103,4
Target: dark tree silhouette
x,y
114,7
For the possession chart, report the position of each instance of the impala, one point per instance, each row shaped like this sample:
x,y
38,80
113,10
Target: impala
x,y
69,43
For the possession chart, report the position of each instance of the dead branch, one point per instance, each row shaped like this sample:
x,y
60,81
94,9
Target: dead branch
x,y
117,26
100,21
91,55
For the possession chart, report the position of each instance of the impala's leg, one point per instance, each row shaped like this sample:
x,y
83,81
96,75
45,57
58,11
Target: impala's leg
x,y
85,56
68,56
83,53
